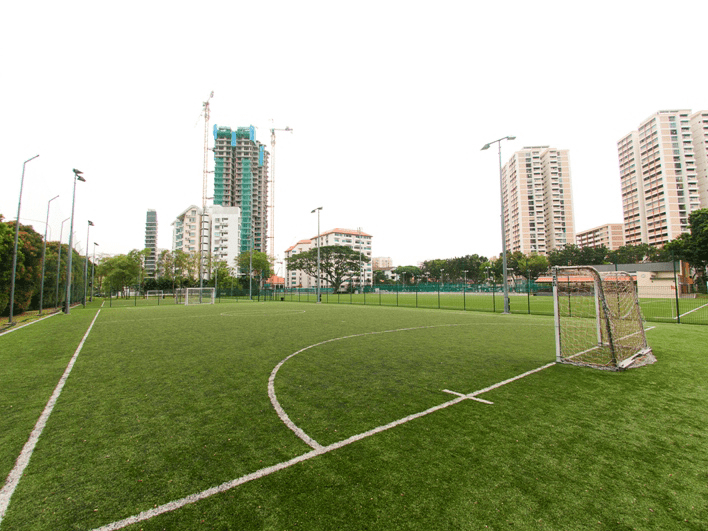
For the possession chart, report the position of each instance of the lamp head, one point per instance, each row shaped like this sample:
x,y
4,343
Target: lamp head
x,y
79,178
511,138
90,223
486,146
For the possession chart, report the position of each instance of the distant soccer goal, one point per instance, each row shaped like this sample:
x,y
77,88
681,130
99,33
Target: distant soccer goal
x,y
154,294
195,296
598,322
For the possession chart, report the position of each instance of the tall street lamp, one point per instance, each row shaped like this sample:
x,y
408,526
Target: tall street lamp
x,y
77,177
90,224
17,235
318,209
503,228
93,268
56,295
44,254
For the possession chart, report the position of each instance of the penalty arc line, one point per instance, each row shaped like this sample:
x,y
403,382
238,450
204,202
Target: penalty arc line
x,y
271,380
321,450
23,459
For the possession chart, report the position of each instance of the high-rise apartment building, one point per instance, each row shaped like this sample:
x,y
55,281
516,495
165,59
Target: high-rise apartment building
x,y
241,180
538,200
355,239
663,175
699,135
611,235
151,243
219,239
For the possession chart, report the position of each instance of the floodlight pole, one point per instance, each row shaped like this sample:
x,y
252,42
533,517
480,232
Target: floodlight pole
x,y
44,254
77,177
319,296
503,227
90,224
56,294
93,269
17,235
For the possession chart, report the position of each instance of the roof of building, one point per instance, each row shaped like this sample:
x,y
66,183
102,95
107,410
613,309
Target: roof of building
x,y
275,279
345,231
301,242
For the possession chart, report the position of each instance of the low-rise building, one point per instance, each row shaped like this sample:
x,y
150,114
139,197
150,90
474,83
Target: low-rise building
x,y
611,235
355,239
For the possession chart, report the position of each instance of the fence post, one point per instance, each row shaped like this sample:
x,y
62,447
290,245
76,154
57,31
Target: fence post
x,y
678,312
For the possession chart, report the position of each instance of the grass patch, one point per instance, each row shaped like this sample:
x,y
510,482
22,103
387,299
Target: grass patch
x,y
167,401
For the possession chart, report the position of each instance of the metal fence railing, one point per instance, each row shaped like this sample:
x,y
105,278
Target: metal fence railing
x,y
659,304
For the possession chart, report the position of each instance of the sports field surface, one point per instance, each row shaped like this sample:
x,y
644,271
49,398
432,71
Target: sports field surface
x,y
285,415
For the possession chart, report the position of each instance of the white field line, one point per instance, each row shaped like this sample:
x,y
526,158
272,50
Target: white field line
x,y
23,460
38,320
703,306
263,472
271,381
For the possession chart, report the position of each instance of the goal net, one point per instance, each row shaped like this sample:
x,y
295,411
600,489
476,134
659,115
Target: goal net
x,y
598,322
195,296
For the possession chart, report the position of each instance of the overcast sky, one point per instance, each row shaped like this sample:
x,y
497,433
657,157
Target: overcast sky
x,y
390,102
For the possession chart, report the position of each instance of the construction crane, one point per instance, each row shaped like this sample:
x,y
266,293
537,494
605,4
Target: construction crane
x,y
271,225
205,114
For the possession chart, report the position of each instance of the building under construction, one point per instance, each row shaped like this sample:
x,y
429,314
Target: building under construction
x,y
241,180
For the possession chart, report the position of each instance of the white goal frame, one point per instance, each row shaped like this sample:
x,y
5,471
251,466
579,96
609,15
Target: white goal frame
x,y
598,322
160,294
189,296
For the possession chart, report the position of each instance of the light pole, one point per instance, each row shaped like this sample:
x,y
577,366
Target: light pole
x,y
77,177
93,269
503,228
90,224
17,235
44,254
318,209
56,295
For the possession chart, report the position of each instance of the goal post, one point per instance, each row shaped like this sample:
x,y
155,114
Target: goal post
x,y
154,294
598,321
188,296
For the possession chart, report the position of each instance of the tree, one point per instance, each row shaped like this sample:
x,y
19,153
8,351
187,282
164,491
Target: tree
x,y
408,274
693,247
121,271
260,263
337,263
28,269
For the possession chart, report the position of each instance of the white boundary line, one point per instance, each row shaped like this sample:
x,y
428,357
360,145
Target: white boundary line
x,y
23,460
27,324
319,450
691,311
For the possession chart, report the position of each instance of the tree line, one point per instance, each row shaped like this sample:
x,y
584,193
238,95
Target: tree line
x,y
338,265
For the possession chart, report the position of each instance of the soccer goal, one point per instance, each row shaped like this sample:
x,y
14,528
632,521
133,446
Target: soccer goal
x,y
598,322
154,294
195,296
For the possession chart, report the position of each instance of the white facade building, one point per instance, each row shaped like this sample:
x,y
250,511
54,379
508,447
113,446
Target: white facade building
x,y
220,234
355,239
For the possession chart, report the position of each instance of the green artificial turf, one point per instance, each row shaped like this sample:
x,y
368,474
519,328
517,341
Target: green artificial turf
x,y
168,401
